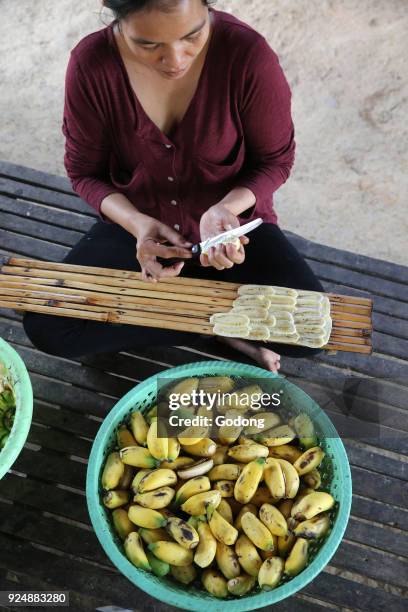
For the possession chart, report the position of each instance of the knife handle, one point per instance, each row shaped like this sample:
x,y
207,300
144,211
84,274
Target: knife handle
x,y
195,250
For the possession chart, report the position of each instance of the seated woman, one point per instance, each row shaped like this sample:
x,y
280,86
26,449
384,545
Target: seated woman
x,y
178,126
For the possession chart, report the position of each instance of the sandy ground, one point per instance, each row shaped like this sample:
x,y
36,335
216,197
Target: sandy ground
x,y
345,61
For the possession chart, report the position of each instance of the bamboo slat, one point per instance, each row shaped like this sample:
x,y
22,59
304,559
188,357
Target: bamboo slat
x,y
178,303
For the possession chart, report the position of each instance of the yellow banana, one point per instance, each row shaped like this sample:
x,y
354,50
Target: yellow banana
x,y
286,451
171,553
227,471
247,508
285,507
157,479
124,437
220,455
138,457
248,556
313,528
188,386
158,446
277,436
248,481
291,477
256,531
274,478
157,499
126,479
207,546
273,519
185,575
112,472
309,460
262,496
225,510
214,583
200,484
139,428
221,529
267,554
216,384
242,398
269,419
144,517
241,585
310,505
177,463
136,480
114,499
149,416
227,434
313,479
153,535
285,544
270,573
192,435
135,552
203,448
297,558
121,523
227,561
173,449
197,504
244,453
225,487
305,430
159,568
182,532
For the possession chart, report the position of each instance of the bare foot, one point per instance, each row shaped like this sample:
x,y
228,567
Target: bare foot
x,y
266,358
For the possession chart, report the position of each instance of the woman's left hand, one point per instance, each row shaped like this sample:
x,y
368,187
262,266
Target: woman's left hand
x,y
214,221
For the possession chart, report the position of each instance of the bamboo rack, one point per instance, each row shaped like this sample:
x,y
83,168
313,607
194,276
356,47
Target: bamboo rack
x,y
178,303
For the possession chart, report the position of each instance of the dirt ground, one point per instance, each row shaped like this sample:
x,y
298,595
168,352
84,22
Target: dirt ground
x,y
345,61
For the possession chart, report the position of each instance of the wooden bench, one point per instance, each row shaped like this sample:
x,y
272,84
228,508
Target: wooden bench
x,y
46,540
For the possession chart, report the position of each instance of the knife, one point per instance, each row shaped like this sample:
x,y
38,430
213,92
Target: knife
x,y
204,246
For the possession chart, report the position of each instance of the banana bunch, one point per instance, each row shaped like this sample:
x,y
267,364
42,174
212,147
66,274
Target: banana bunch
x,y
277,314
237,514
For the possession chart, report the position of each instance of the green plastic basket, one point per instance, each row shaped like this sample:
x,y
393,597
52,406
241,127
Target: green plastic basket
x,y
336,479
24,406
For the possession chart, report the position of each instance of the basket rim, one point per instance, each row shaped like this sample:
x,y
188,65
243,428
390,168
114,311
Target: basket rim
x,y
178,597
24,411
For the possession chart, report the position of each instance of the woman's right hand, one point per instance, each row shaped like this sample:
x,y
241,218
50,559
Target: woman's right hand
x,y
150,235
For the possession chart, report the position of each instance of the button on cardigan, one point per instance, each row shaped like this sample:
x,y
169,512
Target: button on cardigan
x,y
237,130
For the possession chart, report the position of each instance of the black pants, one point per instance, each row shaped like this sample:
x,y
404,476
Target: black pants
x,y
270,259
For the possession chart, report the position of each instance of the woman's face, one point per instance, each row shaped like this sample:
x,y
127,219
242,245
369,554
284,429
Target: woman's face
x,y
168,42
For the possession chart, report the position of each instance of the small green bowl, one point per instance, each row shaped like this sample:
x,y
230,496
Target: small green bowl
x,y
336,479
24,406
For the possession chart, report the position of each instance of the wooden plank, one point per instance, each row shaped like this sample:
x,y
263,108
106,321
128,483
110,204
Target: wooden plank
x,y
385,539
375,511
65,420
377,565
396,328
34,193
52,468
353,261
374,366
376,486
59,441
26,245
353,595
47,214
384,305
28,524
44,496
390,345
39,229
372,459
23,174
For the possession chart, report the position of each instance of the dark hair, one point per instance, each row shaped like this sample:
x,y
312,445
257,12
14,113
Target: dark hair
x,y
122,8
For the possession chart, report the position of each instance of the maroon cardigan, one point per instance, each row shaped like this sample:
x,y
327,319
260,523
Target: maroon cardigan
x,y
237,130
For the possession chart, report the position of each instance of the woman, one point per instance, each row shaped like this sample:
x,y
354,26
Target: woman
x,y
178,126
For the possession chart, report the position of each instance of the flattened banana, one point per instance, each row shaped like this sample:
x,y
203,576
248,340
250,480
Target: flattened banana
x,y
254,313
231,320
